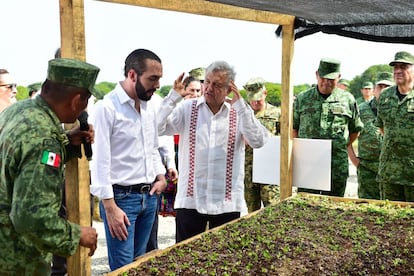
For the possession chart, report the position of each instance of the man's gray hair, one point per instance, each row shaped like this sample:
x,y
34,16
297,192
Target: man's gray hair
x,y
221,65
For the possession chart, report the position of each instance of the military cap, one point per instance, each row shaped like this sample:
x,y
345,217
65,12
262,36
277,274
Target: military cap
x,y
73,72
198,73
344,82
34,86
367,84
329,68
255,88
386,78
403,57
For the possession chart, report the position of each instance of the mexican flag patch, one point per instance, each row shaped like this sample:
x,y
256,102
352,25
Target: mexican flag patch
x,y
51,158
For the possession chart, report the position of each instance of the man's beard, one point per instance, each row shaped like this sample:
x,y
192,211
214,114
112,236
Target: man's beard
x,y
143,94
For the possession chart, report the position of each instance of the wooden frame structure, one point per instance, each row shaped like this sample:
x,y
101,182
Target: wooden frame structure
x,y
157,253
72,28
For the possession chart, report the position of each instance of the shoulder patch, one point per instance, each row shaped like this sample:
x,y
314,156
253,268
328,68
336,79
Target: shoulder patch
x,y
51,159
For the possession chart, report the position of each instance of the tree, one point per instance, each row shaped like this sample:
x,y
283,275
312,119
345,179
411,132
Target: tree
x,y
164,90
103,88
300,88
22,92
369,74
274,91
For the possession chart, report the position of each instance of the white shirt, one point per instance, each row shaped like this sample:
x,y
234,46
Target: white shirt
x,y
125,151
165,143
211,150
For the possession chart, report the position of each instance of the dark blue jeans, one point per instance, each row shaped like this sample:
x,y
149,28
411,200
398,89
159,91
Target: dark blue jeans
x,y
140,209
153,238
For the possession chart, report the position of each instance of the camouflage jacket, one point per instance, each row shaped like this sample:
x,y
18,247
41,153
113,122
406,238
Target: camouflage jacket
x,y
370,138
32,147
397,119
335,117
270,119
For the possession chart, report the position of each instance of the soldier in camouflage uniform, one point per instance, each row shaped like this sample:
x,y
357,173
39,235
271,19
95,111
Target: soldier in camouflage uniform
x,y
327,112
367,91
269,116
33,148
396,121
369,142
343,84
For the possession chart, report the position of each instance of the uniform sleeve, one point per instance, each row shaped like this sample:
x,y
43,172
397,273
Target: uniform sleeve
x,y
73,151
296,115
378,121
355,124
37,195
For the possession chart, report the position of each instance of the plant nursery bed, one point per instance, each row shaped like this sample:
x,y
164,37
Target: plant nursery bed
x,y
303,235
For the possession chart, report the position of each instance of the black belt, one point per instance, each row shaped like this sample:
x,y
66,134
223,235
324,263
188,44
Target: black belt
x,y
139,188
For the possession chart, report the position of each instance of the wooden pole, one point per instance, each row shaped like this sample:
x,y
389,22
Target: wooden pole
x,y
211,8
72,29
286,116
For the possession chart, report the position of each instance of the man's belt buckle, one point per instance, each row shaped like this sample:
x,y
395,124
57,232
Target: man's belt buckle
x,y
145,188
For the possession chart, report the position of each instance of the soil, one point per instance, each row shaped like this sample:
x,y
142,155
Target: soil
x,y
305,235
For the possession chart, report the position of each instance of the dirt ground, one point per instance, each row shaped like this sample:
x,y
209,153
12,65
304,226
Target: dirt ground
x,y
166,235
305,235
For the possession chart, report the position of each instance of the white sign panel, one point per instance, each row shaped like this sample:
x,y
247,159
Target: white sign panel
x,y
312,164
266,162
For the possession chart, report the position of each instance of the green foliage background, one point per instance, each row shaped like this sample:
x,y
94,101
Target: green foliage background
x,y
103,88
369,74
22,92
273,89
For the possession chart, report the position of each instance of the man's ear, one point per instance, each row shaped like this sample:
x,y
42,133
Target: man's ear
x,y
132,75
74,103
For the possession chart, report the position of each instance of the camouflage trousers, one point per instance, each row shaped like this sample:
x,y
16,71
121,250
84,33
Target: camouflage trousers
x,y
368,187
397,192
255,194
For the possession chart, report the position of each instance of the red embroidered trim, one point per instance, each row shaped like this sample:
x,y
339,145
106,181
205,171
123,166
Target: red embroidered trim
x,y
193,125
230,150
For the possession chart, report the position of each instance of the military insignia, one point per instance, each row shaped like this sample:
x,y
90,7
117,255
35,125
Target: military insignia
x,y
51,159
337,109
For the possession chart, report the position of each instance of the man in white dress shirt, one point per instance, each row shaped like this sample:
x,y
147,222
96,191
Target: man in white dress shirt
x,y
213,131
126,169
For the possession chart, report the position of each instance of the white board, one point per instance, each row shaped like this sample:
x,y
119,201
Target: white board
x,y
266,162
312,163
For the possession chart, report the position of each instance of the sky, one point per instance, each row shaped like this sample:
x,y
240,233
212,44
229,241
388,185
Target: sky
x,y
31,34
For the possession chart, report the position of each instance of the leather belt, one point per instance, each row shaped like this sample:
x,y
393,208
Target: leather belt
x,y
138,188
